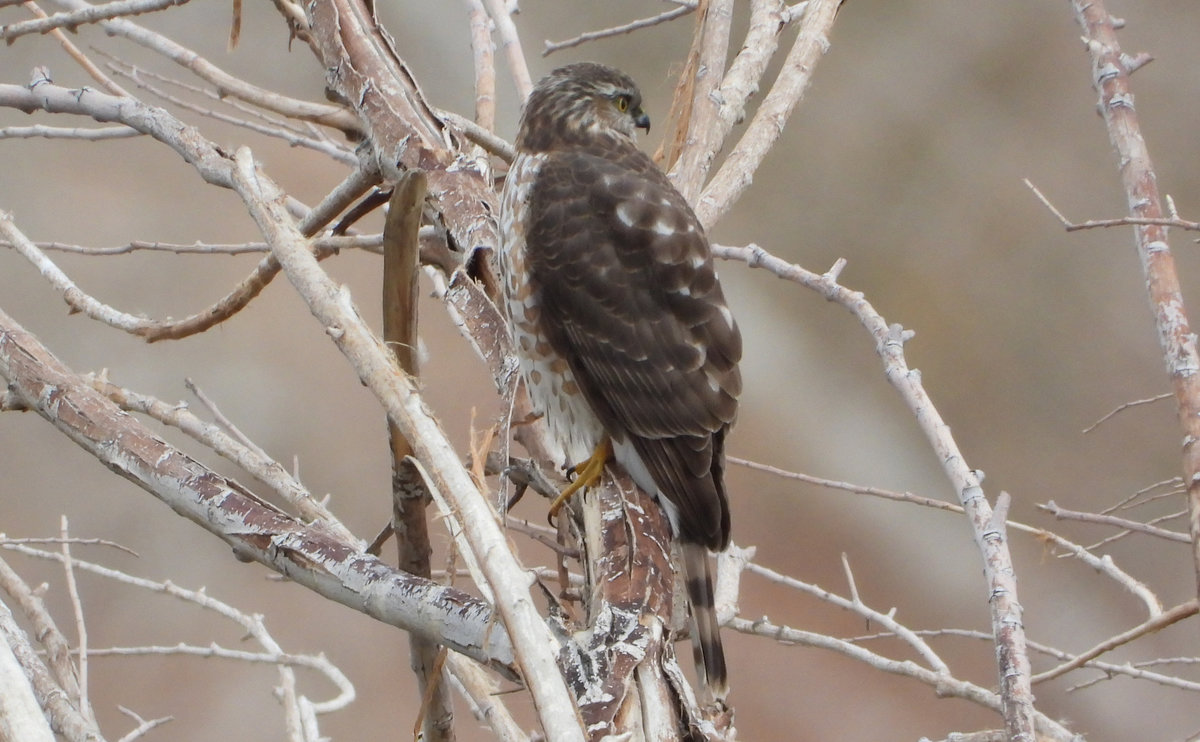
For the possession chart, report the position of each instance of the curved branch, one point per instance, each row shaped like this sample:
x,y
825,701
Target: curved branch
x,y
257,531
987,525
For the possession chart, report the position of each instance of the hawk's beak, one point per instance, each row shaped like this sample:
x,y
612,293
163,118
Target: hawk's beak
x,y
641,120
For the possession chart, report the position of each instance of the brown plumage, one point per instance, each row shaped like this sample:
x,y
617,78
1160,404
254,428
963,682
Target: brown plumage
x,y
617,314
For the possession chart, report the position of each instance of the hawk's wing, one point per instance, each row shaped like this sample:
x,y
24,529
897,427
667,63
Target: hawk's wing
x,y
630,298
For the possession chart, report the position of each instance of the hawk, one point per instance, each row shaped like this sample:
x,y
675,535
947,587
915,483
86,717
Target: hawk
x,y
626,345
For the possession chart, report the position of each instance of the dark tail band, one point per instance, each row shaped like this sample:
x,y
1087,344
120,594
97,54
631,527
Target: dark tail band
x,y
706,634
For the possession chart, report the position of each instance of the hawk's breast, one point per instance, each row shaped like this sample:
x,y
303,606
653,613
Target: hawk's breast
x,y
574,430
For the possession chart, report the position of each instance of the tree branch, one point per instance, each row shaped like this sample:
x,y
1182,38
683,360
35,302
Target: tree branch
x,y
509,583
1110,77
255,530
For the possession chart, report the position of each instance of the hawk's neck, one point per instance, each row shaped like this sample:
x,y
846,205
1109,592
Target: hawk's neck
x,y
551,139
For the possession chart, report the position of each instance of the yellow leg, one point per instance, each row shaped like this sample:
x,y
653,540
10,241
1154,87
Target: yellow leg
x,y
587,474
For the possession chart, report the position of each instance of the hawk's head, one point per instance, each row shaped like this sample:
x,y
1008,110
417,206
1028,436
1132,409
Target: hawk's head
x,y
578,103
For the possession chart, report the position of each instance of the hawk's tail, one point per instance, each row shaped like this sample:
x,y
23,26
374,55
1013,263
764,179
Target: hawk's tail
x,y
706,634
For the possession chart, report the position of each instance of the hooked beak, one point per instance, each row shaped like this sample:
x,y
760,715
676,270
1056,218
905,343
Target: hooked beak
x,y
641,120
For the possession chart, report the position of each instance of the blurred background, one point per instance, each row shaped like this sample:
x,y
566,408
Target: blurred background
x,y
906,157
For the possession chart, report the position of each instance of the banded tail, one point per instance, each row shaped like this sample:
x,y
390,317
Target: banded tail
x,y
706,633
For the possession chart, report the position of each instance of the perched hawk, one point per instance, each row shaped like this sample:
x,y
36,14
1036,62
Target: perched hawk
x,y
624,339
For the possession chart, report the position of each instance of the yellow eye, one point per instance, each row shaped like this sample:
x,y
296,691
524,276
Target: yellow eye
x,y
623,103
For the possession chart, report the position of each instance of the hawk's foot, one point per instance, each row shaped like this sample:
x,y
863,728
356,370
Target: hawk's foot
x,y
587,474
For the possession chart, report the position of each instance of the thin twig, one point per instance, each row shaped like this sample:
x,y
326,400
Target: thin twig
x,y
1174,615
223,421
328,243
83,16
322,113
276,129
104,81
854,604
944,684
83,702
251,624
1112,520
1125,406
1104,565
604,33
259,465
1124,221
143,725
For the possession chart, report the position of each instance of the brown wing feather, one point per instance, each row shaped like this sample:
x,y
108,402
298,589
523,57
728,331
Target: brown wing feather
x,y
631,299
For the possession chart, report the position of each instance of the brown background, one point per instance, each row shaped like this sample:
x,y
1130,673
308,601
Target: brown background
x,y
905,158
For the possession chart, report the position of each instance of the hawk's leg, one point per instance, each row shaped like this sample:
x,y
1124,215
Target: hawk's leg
x,y
587,474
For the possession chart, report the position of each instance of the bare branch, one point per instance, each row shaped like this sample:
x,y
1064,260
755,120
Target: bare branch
x,y
75,298
1176,614
331,244
257,531
227,84
479,135
90,14
57,648
1112,520
1110,77
80,58
945,685
510,44
358,182
250,458
1124,221
144,725
737,171
583,38
1125,406
83,702
988,531
63,132
64,718
485,700
484,52
276,128
703,137
887,620
378,370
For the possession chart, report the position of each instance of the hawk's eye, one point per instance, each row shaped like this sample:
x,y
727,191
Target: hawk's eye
x,y
622,103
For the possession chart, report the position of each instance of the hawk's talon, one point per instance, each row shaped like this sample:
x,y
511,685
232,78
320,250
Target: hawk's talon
x,y
588,474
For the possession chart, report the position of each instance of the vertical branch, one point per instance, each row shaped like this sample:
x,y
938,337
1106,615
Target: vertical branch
x,y
484,53
1110,76
401,257
680,115
510,43
736,173
768,18
703,135
401,247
